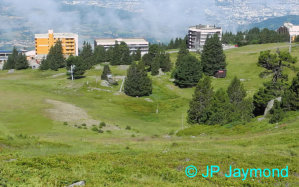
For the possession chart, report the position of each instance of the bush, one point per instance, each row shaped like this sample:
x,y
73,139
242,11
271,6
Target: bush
x,y
83,124
277,114
102,124
95,129
100,131
171,133
128,128
65,123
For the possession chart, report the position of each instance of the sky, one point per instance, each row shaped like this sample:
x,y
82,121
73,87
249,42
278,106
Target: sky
x,y
157,19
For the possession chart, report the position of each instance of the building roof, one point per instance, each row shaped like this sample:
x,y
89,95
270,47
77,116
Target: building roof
x,y
30,53
293,29
204,27
128,41
2,52
57,35
10,52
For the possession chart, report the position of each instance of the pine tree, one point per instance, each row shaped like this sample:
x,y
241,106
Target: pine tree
x,y
44,65
278,86
80,66
236,91
213,58
171,44
87,55
125,57
137,82
241,108
147,60
182,52
276,112
116,55
188,71
137,55
155,66
11,62
100,54
165,62
220,109
109,54
106,72
55,57
199,108
21,62
290,99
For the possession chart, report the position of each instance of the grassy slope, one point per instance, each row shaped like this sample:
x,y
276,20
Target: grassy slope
x,y
49,153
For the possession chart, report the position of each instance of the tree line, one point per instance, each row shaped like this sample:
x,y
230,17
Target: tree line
x,y
16,60
254,36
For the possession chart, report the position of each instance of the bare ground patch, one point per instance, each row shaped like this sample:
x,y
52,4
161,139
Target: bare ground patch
x,y
73,115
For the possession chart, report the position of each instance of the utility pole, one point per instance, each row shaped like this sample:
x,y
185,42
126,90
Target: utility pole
x,y
290,48
72,71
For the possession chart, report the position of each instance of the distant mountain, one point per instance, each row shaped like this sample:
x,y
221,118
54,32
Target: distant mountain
x,y
274,23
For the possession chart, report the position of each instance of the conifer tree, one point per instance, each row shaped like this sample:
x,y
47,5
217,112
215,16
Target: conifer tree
x,y
278,86
137,82
290,99
80,66
155,66
55,57
106,72
188,71
12,59
165,62
109,54
241,108
182,52
137,55
213,58
125,57
44,65
21,62
276,112
147,60
116,55
87,55
236,91
199,108
100,54
220,112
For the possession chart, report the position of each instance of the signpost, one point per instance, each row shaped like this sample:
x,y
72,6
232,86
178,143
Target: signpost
x,y
72,71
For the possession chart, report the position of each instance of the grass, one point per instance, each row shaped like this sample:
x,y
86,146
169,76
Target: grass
x,y
37,151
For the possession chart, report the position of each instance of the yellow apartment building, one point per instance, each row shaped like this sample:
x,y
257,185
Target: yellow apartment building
x,y
44,42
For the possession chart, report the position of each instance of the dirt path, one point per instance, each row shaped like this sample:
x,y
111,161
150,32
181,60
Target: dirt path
x,y
66,112
73,115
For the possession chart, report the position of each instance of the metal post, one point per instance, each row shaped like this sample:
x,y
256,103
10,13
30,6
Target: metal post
x,y
72,71
290,48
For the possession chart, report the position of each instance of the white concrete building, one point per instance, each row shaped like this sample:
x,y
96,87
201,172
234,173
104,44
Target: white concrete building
x,y
197,35
133,43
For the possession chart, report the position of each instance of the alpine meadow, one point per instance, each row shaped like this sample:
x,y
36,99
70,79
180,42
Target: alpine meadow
x,y
146,93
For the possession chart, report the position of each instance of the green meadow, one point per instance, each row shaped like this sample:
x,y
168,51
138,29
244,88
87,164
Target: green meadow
x,y
147,141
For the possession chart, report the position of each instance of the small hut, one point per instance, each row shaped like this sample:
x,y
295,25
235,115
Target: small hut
x,y
220,73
